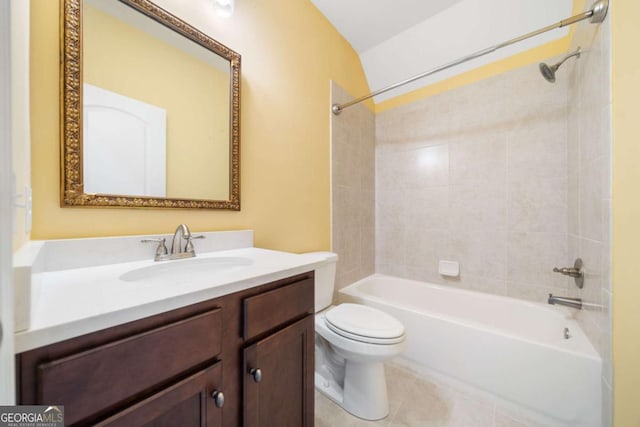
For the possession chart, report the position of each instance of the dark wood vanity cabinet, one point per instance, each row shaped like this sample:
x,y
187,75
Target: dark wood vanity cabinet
x,y
193,366
278,379
278,366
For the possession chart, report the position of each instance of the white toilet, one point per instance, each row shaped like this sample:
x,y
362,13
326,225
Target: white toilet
x,y
352,342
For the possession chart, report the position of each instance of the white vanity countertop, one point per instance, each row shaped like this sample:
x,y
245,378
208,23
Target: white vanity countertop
x,y
73,302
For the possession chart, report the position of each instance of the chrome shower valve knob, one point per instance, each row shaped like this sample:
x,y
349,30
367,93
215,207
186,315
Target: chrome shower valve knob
x,y
577,272
568,271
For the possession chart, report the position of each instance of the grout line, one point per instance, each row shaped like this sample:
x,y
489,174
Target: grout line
x,y
507,216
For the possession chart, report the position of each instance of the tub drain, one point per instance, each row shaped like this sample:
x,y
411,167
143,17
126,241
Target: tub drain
x,y
567,334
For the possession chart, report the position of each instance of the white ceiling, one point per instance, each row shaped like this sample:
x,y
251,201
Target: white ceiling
x,y
366,23
401,38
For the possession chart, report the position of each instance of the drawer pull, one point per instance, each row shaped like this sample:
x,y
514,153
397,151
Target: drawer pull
x,y
218,398
256,373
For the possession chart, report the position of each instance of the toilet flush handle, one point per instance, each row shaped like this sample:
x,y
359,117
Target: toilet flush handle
x,y
256,373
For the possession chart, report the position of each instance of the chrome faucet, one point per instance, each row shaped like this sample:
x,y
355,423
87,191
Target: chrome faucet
x,y
182,232
178,251
569,302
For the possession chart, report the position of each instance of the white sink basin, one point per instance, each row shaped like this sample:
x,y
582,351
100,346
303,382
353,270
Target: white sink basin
x,y
193,268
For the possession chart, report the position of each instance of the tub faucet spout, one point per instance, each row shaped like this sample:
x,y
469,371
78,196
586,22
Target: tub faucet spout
x,y
569,302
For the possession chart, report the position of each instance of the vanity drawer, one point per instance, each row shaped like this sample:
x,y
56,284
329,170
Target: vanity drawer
x,y
274,308
98,379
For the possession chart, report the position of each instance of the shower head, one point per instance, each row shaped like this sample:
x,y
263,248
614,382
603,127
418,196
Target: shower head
x,y
549,71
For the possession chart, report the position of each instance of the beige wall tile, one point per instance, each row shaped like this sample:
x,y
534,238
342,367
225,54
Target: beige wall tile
x,y
426,166
591,196
538,205
458,170
537,147
391,244
478,206
425,248
353,190
532,257
590,176
480,253
573,204
478,159
425,208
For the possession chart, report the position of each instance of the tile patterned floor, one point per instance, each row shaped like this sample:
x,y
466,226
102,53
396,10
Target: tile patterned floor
x,y
416,402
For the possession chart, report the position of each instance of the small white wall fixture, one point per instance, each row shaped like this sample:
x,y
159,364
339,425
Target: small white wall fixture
x,y
124,147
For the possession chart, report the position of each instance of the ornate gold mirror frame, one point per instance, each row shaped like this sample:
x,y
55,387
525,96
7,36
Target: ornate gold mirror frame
x,y
72,187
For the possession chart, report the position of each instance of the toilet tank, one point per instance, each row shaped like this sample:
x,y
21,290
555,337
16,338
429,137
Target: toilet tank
x,y
325,278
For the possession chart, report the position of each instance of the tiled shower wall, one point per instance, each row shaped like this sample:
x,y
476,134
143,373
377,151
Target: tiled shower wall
x,y
477,175
589,200
353,189
509,176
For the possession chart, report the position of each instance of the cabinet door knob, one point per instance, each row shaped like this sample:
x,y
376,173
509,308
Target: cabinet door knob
x,y
256,373
218,398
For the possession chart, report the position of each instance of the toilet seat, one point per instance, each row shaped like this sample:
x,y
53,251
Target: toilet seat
x,y
364,324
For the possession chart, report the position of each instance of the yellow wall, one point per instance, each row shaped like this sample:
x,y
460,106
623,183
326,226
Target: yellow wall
x,y
289,54
626,212
197,108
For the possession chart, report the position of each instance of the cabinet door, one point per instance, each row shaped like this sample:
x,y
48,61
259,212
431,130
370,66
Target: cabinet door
x,y
278,378
187,403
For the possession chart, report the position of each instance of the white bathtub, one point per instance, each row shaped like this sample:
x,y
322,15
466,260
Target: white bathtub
x,y
513,349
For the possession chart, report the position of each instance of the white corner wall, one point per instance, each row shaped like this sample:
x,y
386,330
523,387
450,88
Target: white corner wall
x,y
466,27
7,384
21,135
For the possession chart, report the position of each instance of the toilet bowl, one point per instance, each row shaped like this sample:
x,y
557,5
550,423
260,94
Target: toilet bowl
x,y
352,342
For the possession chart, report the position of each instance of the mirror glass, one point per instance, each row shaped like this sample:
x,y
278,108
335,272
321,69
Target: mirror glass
x,y
157,110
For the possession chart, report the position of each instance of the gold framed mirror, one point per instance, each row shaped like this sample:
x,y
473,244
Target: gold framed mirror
x,y
150,110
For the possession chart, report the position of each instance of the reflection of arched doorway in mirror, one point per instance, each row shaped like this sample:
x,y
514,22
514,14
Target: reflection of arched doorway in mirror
x,y
124,144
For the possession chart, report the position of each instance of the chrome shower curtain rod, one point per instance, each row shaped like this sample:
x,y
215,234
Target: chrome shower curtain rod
x,y
596,14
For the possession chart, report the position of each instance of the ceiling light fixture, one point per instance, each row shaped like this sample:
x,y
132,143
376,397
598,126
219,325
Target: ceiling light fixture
x,y
224,8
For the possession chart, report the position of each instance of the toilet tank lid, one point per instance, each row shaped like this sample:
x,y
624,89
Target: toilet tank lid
x,y
318,256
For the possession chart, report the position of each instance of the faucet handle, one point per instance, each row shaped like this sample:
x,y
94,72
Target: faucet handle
x,y
567,271
577,272
189,246
162,247
197,236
